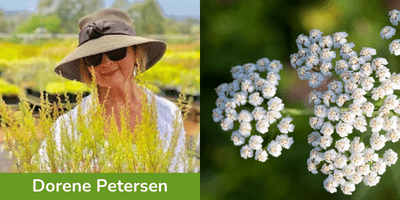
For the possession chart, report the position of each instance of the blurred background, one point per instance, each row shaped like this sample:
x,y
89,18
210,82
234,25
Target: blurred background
x,y
36,34
238,32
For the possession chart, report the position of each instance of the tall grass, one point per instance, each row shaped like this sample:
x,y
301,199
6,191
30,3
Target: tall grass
x,y
92,142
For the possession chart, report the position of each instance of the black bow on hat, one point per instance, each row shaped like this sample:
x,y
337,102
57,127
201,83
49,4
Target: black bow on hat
x,y
101,28
96,30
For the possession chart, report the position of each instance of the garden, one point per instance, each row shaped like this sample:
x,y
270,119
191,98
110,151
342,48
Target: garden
x,y
31,67
27,71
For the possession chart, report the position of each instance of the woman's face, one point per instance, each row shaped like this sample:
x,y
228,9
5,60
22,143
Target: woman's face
x,y
115,73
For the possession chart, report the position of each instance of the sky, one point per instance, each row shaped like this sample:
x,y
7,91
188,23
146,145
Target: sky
x,y
179,8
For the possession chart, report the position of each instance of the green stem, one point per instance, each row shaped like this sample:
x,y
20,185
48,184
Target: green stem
x,y
296,112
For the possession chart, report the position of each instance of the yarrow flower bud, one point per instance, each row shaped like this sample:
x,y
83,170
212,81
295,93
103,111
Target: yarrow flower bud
x,y
255,85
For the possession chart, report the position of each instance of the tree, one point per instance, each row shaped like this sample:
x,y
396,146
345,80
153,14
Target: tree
x,y
70,11
45,7
50,22
153,18
186,26
135,12
3,22
121,4
147,17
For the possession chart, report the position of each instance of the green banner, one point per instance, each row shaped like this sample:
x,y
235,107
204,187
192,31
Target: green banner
x,y
100,186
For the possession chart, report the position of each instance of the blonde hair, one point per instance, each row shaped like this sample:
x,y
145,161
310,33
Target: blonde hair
x,y
141,60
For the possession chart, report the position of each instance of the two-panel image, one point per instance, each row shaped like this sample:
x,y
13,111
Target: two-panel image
x,y
299,98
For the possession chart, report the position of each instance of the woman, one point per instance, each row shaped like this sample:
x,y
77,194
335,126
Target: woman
x,y
109,50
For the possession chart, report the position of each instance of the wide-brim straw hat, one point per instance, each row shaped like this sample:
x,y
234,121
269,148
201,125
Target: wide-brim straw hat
x,y
103,31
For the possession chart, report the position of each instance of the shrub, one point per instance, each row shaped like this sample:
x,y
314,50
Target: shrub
x,y
96,143
8,89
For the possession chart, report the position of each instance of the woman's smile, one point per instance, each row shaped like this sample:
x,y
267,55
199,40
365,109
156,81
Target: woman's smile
x,y
109,72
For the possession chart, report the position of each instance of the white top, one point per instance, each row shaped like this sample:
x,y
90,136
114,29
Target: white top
x,y
166,112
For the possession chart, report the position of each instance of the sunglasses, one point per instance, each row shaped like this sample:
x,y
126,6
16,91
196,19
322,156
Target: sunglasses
x,y
114,55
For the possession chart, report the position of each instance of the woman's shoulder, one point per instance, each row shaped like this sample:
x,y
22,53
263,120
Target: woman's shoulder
x,y
166,106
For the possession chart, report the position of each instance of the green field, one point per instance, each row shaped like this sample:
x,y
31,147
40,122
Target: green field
x,y
31,65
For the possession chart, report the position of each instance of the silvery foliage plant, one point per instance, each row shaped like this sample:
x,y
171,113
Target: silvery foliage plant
x,y
389,31
355,117
248,107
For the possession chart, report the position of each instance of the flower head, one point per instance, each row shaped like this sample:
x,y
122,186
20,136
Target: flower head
x,y
285,141
261,155
246,152
390,157
285,126
255,85
361,98
274,148
394,47
388,32
237,138
394,17
255,142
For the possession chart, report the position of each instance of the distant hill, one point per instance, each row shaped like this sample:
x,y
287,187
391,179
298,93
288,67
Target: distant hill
x,y
182,17
176,24
10,13
16,12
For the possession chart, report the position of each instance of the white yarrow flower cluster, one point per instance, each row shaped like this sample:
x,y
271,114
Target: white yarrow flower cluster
x,y
250,101
347,110
388,32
